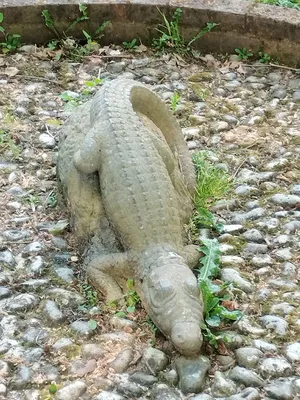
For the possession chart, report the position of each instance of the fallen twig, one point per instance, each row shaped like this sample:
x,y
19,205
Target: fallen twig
x,y
272,65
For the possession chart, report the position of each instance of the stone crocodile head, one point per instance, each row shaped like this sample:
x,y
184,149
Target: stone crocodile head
x,y
171,297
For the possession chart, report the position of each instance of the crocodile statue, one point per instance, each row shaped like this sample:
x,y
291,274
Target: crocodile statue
x,y
126,172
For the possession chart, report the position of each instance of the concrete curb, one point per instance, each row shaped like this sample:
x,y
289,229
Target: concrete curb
x,y
242,23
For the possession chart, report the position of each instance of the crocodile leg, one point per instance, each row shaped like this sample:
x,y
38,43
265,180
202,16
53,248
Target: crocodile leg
x,y
192,255
104,271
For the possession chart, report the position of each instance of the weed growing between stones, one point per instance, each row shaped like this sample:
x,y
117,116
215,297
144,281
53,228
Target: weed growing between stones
x,y
175,100
243,54
8,142
212,184
171,38
131,45
68,46
282,3
11,40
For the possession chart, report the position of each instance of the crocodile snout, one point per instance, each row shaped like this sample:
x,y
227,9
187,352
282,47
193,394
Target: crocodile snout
x,y
187,338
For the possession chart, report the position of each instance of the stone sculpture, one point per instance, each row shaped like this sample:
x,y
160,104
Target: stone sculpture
x,y
129,181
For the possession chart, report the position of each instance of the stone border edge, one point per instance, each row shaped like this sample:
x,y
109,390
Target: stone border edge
x,y
242,23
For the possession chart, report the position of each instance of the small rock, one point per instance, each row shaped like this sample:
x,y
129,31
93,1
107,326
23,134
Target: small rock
x,y
281,390
122,361
81,368
22,302
7,258
262,260
23,377
275,367
117,337
282,309
277,324
62,343
253,235
232,260
14,235
233,276
82,328
33,336
71,391
155,360
92,351
105,395
223,386
254,248
248,357
246,394
233,228
53,313
246,377
284,254
123,323
33,248
285,200
192,373
143,379
264,346
220,126
292,352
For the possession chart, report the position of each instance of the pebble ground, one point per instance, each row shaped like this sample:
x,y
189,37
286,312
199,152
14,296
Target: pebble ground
x,y
247,118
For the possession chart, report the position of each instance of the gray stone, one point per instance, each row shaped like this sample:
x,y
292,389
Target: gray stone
x,y
122,361
233,228
248,357
246,394
282,284
35,284
7,258
296,190
15,235
284,254
53,313
282,239
223,386
170,377
202,396
264,346
246,377
192,373
80,368
33,248
4,292
23,377
274,323
246,326
35,336
65,273
281,390
59,243
155,360
289,269
291,226
285,200
105,395
233,276
232,260
116,67
65,297
262,260
47,141
123,338
37,265
254,214
92,351
254,248
296,96
22,302
143,379
282,309
162,391
244,190
71,391
62,343
253,235
4,369
131,389
275,367
220,126
82,328
292,352
122,323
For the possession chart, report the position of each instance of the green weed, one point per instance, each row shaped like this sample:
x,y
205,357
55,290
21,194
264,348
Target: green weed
x,y
171,38
212,184
243,54
130,45
11,41
282,3
7,142
131,299
264,58
214,293
90,295
175,99
72,48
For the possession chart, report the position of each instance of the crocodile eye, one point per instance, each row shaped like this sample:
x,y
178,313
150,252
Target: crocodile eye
x,y
161,292
191,287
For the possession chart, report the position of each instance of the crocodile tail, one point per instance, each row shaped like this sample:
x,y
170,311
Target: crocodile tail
x,y
146,102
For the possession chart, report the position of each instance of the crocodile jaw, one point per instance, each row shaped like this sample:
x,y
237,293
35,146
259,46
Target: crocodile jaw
x,y
172,299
